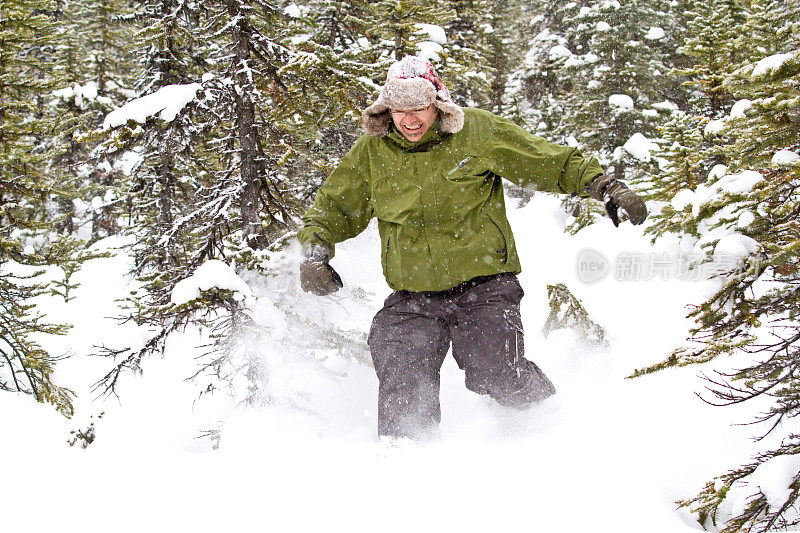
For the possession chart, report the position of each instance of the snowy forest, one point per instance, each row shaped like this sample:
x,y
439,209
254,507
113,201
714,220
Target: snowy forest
x,y
157,156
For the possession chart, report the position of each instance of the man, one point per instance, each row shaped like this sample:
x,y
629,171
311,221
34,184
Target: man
x,y
431,173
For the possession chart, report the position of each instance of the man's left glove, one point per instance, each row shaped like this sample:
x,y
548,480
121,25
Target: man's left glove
x,y
615,194
316,275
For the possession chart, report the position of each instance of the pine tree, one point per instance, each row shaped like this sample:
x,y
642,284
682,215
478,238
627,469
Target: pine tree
x,y
683,169
507,46
339,25
171,237
470,44
94,76
274,95
216,180
566,311
695,141
395,23
755,310
103,42
590,80
614,75
27,246
714,29
541,80
162,189
170,51
335,33
767,81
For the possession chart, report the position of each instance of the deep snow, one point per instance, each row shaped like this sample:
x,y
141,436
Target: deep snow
x,y
604,454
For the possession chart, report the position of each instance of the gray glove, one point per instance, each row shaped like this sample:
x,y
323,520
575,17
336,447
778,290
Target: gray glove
x,y
316,275
615,194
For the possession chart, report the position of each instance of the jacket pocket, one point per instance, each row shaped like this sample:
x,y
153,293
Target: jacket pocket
x,y
385,251
390,259
470,168
501,249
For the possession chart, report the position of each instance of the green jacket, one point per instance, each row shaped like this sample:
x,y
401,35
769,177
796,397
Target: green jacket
x,y
439,202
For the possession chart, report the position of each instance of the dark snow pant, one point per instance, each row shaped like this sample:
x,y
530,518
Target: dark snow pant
x,y
410,337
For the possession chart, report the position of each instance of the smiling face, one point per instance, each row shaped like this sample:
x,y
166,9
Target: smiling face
x,y
413,123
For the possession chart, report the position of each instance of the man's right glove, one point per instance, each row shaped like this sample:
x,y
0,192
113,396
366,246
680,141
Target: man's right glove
x,y
615,194
316,275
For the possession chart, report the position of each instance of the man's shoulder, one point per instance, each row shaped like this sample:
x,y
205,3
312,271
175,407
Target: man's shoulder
x,y
363,144
478,124
365,138
474,114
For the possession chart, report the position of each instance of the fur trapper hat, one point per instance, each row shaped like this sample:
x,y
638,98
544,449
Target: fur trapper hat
x,y
412,84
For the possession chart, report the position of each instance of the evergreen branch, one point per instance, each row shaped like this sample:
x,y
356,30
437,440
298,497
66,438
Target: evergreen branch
x,y
732,395
17,385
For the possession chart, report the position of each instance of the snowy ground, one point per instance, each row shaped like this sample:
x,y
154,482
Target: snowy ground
x,y
604,454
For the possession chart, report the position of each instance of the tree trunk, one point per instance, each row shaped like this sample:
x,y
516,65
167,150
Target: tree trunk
x,y
253,231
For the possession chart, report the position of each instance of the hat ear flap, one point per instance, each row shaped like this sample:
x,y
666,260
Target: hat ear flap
x,y
451,116
376,125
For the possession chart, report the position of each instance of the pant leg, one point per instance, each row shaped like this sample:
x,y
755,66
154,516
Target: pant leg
x,y
488,344
408,343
